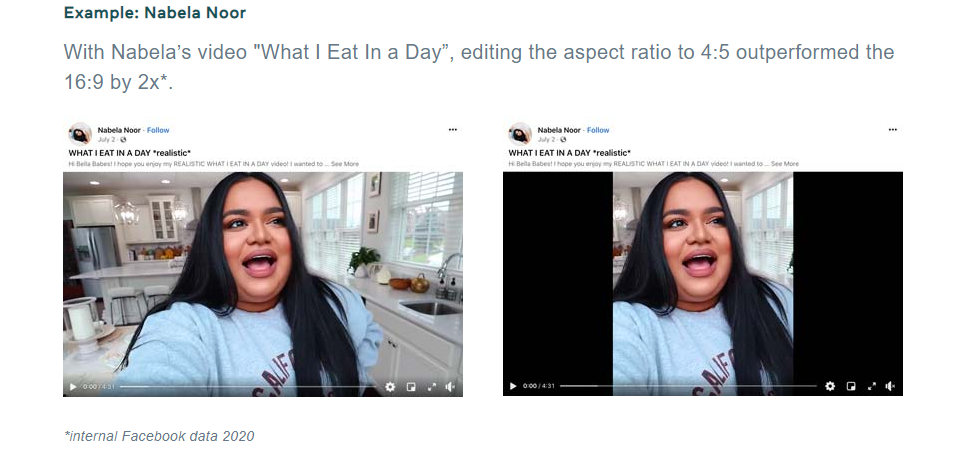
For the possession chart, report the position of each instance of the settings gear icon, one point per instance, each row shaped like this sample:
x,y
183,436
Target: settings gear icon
x,y
830,386
389,387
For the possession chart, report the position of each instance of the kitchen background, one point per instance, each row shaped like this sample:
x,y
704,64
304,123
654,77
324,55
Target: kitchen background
x,y
412,223
762,205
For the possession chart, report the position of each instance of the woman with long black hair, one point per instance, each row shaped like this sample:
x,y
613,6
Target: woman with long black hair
x,y
246,318
688,317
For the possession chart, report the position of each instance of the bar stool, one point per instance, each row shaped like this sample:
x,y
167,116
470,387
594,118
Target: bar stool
x,y
123,295
154,293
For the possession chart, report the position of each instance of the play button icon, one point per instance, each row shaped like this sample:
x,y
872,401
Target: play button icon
x,y
511,386
73,387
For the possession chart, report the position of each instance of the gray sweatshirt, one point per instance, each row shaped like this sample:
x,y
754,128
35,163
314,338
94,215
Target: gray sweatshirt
x,y
683,353
190,351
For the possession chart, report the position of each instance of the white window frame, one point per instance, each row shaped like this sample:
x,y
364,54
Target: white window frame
x,y
398,221
317,234
757,233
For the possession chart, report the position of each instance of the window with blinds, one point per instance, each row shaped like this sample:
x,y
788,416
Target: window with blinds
x,y
426,218
770,233
335,226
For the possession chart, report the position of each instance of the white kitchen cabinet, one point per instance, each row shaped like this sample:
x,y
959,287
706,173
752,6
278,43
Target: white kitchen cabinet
x,y
143,231
409,353
160,209
93,210
148,228
414,365
383,370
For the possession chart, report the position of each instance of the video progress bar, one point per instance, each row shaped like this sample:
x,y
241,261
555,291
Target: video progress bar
x,y
227,386
681,386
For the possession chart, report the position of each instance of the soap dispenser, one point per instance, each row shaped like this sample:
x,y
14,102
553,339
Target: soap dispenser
x,y
441,292
452,290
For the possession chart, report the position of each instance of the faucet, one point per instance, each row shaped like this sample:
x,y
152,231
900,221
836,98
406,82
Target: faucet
x,y
444,267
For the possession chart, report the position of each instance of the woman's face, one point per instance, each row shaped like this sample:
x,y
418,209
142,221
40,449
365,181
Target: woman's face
x,y
256,244
696,243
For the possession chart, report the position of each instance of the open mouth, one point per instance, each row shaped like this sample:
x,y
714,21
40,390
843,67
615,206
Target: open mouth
x,y
260,263
700,263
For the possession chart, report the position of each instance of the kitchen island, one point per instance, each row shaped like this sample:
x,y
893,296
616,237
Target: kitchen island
x,y
138,276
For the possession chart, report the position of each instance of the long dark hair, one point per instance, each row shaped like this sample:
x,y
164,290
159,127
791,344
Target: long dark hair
x,y
759,336
320,336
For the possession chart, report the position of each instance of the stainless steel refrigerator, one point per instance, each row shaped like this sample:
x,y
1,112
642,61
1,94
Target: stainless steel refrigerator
x,y
96,247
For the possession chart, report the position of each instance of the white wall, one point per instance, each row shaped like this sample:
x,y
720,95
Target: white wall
x,y
380,239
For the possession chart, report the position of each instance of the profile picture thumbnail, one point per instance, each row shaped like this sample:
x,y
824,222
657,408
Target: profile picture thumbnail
x,y
520,133
80,134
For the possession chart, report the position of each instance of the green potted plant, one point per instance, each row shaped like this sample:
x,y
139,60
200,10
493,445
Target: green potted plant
x,y
360,259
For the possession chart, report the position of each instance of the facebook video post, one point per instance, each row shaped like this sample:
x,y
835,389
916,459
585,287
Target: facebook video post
x,y
267,199
703,281
262,284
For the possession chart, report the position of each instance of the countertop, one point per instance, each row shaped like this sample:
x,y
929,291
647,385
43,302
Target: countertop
x,y
146,270
89,373
449,327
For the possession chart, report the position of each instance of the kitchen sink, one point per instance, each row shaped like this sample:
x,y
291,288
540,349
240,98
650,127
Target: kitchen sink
x,y
431,308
